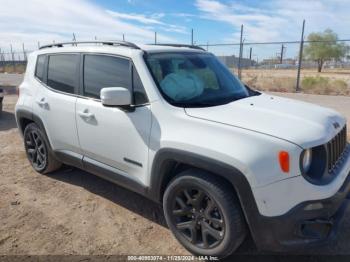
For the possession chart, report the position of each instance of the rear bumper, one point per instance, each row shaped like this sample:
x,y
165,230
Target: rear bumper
x,y
309,223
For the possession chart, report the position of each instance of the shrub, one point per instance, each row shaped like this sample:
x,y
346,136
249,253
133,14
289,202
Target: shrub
x,y
310,82
324,86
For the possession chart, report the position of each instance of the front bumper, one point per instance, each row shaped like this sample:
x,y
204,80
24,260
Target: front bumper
x,y
311,222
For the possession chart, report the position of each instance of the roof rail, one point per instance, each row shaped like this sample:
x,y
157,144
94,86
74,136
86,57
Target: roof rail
x,y
75,43
183,45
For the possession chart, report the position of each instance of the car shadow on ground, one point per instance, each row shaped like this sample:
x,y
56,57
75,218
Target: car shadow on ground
x,y
117,194
7,121
154,212
121,196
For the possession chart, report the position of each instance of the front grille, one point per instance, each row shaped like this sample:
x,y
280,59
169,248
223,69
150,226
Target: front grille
x,y
335,149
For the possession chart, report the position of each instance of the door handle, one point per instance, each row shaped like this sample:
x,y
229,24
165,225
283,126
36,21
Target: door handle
x,y
86,114
42,102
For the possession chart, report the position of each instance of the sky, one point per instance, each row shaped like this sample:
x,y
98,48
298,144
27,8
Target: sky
x,y
213,21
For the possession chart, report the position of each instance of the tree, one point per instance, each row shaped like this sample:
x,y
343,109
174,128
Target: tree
x,y
324,51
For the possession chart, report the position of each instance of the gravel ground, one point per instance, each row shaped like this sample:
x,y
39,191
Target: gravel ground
x,y
73,212
70,211
10,79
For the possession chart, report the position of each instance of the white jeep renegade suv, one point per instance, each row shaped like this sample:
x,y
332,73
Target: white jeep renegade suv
x,y
173,124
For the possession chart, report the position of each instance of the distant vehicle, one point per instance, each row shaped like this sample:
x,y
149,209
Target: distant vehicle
x,y
1,98
172,123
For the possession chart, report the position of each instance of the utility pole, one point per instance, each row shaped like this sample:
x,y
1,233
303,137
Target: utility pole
x,y
282,52
297,88
74,39
24,53
192,36
13,59
155,38
240,54
123,37
250,56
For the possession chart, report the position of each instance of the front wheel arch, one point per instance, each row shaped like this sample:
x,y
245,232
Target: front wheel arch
x,y
167,162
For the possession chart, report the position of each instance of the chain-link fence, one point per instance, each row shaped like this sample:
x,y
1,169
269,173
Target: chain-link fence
x,y
274,66
12,61
286,67
268,66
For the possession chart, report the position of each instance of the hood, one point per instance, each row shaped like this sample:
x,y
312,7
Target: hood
x,y
301,123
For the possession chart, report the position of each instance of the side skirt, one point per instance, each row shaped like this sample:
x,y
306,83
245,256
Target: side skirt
x,y
99,169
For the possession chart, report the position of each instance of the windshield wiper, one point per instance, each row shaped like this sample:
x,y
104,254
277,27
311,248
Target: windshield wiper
x,y
194,104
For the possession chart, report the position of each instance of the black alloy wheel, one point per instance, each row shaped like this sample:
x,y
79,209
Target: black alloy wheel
x,y
36,150
198,218
204,213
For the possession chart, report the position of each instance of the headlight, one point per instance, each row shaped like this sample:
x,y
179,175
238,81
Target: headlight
x,y
306,159
313,165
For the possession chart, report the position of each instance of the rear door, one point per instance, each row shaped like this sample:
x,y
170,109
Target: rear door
x,y
113,137
56,97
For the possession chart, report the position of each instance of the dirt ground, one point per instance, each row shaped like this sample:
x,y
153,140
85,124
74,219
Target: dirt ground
x,y
70,211
330,81
343,74
73,212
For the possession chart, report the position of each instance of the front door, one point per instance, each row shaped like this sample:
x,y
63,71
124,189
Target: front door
x,y
111,136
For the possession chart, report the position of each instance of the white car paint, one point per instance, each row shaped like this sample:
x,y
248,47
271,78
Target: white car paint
x,y
304,124
127,136
247,134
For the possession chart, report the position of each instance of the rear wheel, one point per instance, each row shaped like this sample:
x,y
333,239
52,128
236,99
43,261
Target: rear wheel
x,y
38,151
204,214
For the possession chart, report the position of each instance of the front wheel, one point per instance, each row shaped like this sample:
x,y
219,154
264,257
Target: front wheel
x,y
204,214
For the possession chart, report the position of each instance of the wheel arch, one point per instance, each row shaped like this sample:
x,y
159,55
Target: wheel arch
x,y
25,117
168,162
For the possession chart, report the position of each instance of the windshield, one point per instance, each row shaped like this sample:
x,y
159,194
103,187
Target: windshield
x,y
194,79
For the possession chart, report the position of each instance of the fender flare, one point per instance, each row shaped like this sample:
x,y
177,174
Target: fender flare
x,y
26,114
228,172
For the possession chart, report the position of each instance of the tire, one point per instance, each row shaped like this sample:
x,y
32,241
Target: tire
x,y
38,150
189,202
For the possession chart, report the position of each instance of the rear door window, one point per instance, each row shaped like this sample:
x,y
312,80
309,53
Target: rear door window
x,y
63,72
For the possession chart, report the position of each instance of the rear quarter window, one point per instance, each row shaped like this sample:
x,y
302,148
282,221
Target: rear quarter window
x,y
40,67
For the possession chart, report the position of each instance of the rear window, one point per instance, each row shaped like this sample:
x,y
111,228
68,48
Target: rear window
x,y
40,67
63,72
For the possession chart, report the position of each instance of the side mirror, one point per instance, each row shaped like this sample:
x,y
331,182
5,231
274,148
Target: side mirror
x,y
115,96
